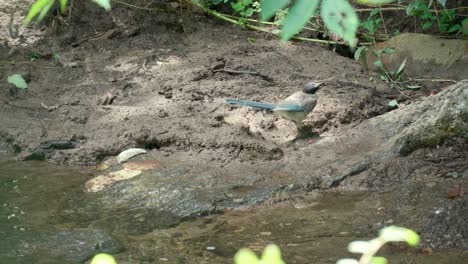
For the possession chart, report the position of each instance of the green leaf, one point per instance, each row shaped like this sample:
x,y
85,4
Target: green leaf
x,y
388,51
35,9
393,103
248,12
378,64
298,16
360,51
103,258
442,2
454,28
378,260
270,7
18,81
104,4
395,233
374,12
272,255
251,40
44,11
238,6
339,17
245,256
63,5
465,26
402,67
427,25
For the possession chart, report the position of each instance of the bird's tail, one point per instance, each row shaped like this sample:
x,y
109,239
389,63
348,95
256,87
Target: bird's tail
x,y
251,104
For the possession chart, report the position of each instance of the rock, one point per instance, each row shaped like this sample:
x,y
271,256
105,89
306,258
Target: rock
x,y
427,56
72,245
447,228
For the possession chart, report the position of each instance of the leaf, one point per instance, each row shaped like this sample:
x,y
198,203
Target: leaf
x,y
413,87
44,11
339,17
388,51
63,5
103,258
347,261
270,7
442,2
465,26
244,256
35,9
18,81
100,182
251,40
359,246
104,4
298,16
454,28
272,254
125,155
374,12
378,260
361,51
395,234
393,103
378,64
402,67
427,25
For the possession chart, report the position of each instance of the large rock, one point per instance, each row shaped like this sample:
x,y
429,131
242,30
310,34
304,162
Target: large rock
x,y
427,56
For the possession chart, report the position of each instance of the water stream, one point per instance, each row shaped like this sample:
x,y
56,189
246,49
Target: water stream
x,y
314,230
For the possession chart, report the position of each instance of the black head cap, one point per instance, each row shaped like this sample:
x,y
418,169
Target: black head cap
x,y
311,87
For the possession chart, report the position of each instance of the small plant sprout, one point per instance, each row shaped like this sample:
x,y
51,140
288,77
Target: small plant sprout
x,y
271,255
368,249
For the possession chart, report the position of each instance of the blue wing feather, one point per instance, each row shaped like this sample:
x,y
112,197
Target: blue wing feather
x,y
252,104
289,107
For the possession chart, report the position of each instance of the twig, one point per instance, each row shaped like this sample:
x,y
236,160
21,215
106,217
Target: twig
x,y
237,72
429,80
18,106
230,71
383,23
138,7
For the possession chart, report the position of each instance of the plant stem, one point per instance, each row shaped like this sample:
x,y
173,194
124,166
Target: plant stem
x,y
383,23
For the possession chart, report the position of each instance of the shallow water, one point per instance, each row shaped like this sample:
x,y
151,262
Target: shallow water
x,y
316,229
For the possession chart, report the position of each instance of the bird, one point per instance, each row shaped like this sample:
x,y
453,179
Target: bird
x,y
295,107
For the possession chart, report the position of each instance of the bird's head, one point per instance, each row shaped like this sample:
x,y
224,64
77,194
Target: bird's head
x,y
311,87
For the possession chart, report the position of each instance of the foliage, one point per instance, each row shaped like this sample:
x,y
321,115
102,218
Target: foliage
x,y
103,259
41,7
18,81
368,249
371,25
445,20
337,15
271,255
246,8
392,77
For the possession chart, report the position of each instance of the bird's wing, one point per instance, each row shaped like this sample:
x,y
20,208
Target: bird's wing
x,y
252,104
289,107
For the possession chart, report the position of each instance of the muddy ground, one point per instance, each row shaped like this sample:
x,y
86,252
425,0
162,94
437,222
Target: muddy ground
x,y
155,80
